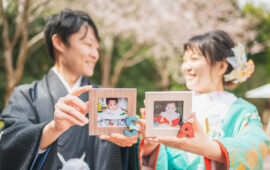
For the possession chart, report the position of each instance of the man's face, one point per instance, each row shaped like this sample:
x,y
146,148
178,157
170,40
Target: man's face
x,y
112,105
81,55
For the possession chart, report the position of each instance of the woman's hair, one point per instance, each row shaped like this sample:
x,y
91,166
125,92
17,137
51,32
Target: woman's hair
x,y
215,46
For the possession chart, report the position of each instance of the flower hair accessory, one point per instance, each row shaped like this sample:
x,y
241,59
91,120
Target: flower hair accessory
x,y
242,69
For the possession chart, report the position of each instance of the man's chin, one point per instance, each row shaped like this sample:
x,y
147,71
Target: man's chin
x,y
88,74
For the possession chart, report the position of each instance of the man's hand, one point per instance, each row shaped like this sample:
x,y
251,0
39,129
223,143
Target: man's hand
x,y
69,111
122,140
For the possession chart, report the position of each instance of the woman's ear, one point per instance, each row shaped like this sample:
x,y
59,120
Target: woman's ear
x,y
222,67
58,44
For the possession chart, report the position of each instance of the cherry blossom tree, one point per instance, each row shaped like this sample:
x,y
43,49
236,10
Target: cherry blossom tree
x,y
160,28
26,11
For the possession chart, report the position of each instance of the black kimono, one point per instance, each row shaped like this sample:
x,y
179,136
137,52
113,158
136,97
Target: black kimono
x,y
30,108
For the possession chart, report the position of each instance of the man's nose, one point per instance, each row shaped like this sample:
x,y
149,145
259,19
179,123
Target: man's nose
x,y
94,54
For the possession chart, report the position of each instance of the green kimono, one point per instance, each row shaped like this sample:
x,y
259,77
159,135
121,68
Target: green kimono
x,y
241,139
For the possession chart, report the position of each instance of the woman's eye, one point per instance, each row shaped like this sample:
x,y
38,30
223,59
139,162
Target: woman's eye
x,y
195,57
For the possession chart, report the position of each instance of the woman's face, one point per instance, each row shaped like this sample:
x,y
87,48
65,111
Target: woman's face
x,y
200,76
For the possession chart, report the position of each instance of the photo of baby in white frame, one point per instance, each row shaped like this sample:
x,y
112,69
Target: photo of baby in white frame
x,y
168,114
166,111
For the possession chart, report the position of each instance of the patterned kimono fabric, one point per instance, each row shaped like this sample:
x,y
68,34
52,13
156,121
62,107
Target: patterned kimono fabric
x,y
233,123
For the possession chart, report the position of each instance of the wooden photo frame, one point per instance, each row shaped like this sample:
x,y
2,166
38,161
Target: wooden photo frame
x,y
109,107
165,111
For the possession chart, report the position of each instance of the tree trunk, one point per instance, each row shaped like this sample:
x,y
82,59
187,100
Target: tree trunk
x,y
9,89
164,75
106,62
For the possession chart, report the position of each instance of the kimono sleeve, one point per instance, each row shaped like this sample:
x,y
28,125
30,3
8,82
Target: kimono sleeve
x,y
165,158
21,133
248,147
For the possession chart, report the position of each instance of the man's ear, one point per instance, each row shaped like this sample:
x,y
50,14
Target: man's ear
x,y
58,44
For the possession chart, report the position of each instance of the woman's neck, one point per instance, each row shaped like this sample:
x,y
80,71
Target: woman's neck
x,y
212,88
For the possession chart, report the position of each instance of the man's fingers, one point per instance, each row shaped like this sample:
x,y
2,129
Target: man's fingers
x,y
74,101
73,113
120,139
63,116
123,137
80,90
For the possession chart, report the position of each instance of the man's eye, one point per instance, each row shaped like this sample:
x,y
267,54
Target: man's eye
x,y
195,57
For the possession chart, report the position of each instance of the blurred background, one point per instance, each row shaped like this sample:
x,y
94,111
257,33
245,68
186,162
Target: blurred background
x,y
141,41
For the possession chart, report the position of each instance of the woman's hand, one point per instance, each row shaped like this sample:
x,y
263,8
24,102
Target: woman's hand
x,y
148,146
200,144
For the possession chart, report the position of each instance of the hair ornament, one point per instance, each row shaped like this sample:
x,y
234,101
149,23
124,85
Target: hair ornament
x,y
242,69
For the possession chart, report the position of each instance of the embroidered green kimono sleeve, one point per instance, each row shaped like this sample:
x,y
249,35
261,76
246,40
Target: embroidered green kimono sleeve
x,y
244,140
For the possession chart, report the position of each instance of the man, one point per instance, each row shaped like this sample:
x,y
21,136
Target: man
x,y
49,116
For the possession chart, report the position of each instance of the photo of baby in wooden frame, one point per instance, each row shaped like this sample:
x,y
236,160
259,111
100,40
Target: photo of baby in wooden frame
x,y
165,112
109,108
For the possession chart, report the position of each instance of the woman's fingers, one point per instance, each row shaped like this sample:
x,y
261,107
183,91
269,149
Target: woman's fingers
x,y
197,128
142,111
141,122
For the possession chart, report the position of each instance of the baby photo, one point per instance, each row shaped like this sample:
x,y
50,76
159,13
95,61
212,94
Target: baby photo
x,y
168,114
112,112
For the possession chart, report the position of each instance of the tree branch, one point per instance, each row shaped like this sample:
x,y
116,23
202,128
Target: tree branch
x,y
136,60
19,20
5,26
35,42
120,65
23,47
37,9
7,46
106,61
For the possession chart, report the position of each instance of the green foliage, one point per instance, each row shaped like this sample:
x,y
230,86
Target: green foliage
x,y
143,76
261,74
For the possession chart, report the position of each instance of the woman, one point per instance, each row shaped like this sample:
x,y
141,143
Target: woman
x,y
235,137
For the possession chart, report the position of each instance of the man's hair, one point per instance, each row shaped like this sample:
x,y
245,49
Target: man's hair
x,y
64,24
109,99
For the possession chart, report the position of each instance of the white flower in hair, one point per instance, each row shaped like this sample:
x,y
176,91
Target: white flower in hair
x,y
242,69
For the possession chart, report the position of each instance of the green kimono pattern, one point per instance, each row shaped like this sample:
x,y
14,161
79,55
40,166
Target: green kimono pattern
x,y
244,142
